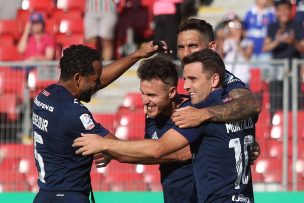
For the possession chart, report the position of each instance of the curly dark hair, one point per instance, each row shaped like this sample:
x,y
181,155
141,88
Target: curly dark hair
x,y
204,28
158,67
77,59
212,62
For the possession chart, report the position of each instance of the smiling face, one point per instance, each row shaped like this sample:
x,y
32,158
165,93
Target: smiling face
x,y
157,97
199,83
89,84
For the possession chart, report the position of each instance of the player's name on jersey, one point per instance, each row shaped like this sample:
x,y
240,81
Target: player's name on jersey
x,y
40,123
43,106
239,125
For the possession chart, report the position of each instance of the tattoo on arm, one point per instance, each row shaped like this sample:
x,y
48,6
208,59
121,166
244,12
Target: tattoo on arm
x,y
242,105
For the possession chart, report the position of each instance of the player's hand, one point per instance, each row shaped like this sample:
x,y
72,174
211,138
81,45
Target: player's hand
x,y
255,153
102,160
149,49
89,144
187,117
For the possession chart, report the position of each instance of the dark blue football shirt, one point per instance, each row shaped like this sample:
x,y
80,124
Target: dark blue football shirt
x,y
221,157
58,119
176,177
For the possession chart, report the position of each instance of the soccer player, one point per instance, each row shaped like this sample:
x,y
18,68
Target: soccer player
x,y
195,35
59,118
217,177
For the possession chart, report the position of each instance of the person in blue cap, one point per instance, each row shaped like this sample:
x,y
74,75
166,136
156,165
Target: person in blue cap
x,y
35,44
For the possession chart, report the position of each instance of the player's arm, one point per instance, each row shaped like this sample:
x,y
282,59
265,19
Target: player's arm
x,y
178,156
114,70
243,104
170,142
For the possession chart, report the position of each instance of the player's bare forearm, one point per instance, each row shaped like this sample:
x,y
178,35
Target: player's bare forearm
x,y
242,105
114,70
178,156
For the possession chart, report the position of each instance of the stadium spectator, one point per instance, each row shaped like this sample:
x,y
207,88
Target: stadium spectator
x,y
59,118
220,33
99,24
204,73
35,44
256,21
285,40
167,18
237,48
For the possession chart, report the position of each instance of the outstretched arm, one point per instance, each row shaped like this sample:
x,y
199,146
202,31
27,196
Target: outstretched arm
x,y
114,70
242,105
170,142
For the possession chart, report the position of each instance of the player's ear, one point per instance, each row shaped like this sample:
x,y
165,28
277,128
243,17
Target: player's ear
x,y
215,80
172,92
212,45
77,78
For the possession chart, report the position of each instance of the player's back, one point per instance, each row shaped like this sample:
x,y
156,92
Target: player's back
x,y
56,124
221,158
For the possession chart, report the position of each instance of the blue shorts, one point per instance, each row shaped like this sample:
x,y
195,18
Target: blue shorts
x,y
61,197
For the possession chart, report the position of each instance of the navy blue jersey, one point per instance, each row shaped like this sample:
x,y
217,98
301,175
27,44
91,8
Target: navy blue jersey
x,y
177,177
232,82
58,119
221,158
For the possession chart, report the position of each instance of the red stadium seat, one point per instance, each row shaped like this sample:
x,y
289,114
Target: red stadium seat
x,y
270,169
9,53
65,41
38,5
106,120
69,5
99,182
180,86
133,100
131,132
11,27
71,26
10,164
255,82
12,80
17,150
8,106
126,182
7,40
275,148
116,167
59,14
12,182
277,125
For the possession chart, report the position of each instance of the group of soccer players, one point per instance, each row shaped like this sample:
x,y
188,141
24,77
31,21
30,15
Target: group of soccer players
x,y
220,124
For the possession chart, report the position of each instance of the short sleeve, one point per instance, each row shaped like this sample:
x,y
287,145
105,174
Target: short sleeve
x,y
90,126
191,134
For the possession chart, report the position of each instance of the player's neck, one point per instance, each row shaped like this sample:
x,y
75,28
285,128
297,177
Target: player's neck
x,y
69,86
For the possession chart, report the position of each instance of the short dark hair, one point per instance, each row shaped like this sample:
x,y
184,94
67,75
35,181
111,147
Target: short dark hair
x,y
204,28
77,59
158,67
278,3
212,62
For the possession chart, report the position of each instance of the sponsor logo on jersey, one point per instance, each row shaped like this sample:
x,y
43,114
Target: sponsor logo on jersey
x,y
43,106
240,198
229,78
154,136
46,93
87,121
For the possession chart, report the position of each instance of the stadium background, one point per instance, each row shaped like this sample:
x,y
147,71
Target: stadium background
x,y
278,174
